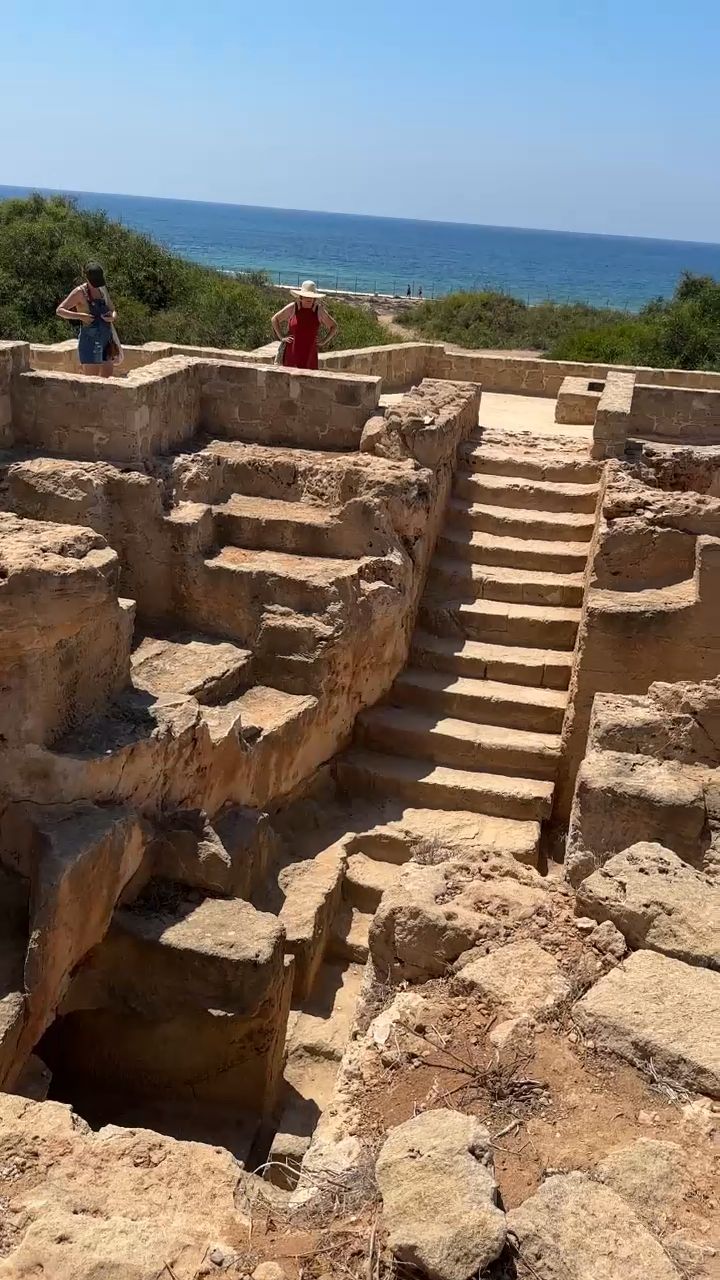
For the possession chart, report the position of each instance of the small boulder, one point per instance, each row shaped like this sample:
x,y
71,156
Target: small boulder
x,y
513,1040
575,1229
653,1009
408,1010
657,901
521,977
437,1181
609,940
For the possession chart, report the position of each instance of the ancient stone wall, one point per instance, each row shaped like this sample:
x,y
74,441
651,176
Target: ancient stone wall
x,y
61,357
161,405
399,365
285,406
651,611
676,412
521,375
130,419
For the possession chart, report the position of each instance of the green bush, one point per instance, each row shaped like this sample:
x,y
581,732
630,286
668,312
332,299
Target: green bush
x,y
627,342
45,243
679,332
497,320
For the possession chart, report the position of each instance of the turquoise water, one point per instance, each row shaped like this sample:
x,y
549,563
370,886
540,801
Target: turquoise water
x,y
386,254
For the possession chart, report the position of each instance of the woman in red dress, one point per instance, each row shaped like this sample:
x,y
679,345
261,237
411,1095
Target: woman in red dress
x,y
304,318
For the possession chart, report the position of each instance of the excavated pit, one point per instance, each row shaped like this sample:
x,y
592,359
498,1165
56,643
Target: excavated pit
x,y
304,695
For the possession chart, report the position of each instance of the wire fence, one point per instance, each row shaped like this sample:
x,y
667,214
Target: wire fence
x,y
386,286
334,282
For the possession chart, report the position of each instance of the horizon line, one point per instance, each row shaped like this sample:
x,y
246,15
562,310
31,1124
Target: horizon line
x,y
380,217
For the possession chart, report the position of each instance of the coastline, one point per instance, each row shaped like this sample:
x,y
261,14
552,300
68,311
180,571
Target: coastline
x,y
354,254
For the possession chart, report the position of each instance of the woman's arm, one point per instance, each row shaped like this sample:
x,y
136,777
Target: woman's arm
x,y
70,308
329,325
282,317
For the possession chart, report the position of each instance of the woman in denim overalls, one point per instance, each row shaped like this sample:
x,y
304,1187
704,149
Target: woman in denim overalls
x,y
90,303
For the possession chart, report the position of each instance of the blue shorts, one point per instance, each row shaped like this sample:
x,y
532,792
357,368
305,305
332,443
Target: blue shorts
x,y
93,343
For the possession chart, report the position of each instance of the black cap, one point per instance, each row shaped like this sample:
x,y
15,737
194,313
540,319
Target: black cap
x,y
95,275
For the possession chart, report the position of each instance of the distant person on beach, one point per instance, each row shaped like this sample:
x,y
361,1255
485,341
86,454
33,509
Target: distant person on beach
x,y
420,292
409,292
304,319
98,346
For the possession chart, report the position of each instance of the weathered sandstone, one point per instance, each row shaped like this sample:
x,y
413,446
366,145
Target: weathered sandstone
x,y
657,901
298,680
435,1175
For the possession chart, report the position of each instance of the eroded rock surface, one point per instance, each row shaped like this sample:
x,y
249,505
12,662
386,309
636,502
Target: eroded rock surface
x,y
120,1203
435,1175
575,1229
520,977
657,901
660,1011
434,913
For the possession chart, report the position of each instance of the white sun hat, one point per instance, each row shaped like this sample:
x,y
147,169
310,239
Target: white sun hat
x,y
308,289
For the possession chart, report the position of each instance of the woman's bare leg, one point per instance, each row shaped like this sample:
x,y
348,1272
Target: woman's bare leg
x,y
106,369
90,370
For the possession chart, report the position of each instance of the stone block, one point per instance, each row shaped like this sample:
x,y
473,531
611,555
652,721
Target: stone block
x,y
660,1011
574,1229
657,901
313,890
436,1178
519,977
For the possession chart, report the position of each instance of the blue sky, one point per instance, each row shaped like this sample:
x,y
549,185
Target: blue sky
x,y
578,115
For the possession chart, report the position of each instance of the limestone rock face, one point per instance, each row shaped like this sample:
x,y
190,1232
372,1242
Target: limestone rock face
x,y
160,961
64,635
650,772
120,1203
660,1010
424,425
657,901
624,799
436,1177
77,862
434,913
54,577
574,1229
521,977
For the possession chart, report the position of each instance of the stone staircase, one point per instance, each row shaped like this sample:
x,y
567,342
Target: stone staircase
x,y
474,721
328,903
284,552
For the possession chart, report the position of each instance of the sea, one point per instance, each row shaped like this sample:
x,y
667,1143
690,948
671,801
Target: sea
x,y
389,255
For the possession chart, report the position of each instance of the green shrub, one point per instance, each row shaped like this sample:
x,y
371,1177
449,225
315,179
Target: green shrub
x,y
628,342
497,320
45,242
680,332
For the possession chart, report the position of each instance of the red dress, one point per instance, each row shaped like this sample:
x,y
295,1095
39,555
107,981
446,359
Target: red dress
x,y
302,352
